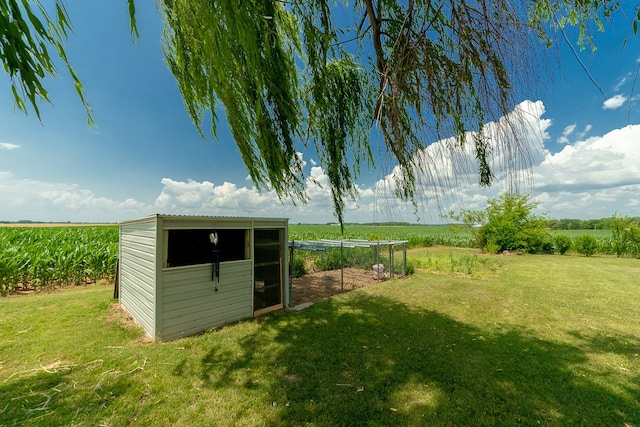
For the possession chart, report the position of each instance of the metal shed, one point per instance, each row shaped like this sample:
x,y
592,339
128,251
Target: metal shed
x,y
180,275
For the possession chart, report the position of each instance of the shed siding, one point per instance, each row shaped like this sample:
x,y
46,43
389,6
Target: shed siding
x,y
191,304
138,272
173,302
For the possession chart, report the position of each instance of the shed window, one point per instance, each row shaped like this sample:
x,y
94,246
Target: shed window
x,y
190,247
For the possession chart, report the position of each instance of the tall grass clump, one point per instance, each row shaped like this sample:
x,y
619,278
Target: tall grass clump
x,y
454,262
334,258
298,266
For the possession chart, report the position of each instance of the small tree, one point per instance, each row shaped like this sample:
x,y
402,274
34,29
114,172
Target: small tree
x,y
586,244
512,225
508,223
625,236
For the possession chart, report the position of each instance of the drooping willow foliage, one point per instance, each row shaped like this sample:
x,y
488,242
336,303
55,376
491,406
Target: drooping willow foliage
x,y
290,74
295,74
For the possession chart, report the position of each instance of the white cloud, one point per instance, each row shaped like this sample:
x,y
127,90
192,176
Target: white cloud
x,y
594,177
45,201
564,139
585,131
227,199
614,102
8,146
621,82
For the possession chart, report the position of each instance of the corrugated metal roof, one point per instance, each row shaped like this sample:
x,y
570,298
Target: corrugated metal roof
x,y
204,217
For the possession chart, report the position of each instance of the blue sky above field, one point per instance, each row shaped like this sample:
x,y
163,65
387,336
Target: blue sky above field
x,y
145,156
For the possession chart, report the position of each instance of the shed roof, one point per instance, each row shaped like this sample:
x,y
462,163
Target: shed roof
x,y
204,217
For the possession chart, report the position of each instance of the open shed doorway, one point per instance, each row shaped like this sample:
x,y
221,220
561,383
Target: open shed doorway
x,y
268,254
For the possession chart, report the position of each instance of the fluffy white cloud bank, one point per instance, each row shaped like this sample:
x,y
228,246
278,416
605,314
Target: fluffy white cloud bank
x,y
26,199
448,181
590,178
227,199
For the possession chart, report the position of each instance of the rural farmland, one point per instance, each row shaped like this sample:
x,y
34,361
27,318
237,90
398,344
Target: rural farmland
x,y
34,257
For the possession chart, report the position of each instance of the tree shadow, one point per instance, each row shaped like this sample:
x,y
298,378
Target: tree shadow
x,y
623,344
54,398
368,360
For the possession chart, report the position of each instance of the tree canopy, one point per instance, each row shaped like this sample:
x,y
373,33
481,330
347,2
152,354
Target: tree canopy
x,y
300,74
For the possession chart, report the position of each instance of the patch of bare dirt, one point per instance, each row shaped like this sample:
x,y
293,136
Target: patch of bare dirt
x,y
320,285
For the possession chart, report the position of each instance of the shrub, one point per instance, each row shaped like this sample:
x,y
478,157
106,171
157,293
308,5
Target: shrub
x,y
491,247
331,259
411,268
508,223
562,243
299,267
586,244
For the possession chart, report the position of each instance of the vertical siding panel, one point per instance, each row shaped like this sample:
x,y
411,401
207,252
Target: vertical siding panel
x,y
138,272
159,315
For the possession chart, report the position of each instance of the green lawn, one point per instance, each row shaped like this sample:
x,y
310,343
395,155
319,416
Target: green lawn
x,y
522,340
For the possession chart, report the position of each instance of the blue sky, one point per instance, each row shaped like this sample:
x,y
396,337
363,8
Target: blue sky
x,y
145,156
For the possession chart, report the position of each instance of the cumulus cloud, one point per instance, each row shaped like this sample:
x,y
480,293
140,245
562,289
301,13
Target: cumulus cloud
x,y
614,102
621,82
611,160
44,201
564,139
594,177
227,199
8,146
597,176
585,131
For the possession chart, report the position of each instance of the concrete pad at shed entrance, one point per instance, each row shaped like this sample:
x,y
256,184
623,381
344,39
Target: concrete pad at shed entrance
x,y
302,306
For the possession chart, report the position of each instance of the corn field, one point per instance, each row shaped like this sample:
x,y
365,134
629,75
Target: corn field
x,y
35,257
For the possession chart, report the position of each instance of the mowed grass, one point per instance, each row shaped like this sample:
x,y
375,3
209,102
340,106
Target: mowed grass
x,y
522,340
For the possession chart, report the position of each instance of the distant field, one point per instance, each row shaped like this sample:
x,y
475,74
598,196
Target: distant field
x,y
598,234
36,255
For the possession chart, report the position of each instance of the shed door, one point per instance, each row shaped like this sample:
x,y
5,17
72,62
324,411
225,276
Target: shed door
x,y
268,254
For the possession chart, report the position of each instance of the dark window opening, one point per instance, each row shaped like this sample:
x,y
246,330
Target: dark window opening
x,y
190,247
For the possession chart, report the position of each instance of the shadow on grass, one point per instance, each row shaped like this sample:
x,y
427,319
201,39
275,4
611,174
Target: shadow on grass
x,y
371,360
53,398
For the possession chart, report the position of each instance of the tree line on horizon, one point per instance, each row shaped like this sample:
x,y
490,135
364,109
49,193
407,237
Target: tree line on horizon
x,y
551,224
